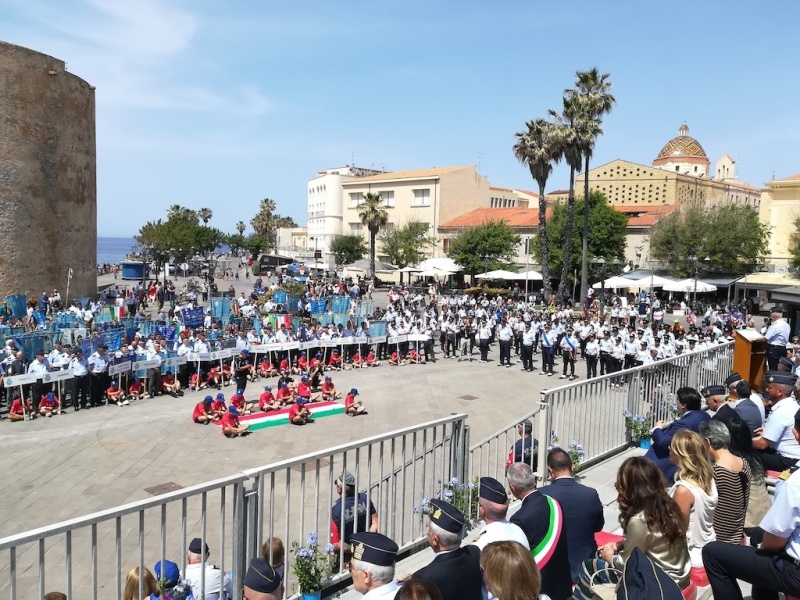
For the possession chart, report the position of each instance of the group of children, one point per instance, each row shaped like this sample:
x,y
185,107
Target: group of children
x,y
48,406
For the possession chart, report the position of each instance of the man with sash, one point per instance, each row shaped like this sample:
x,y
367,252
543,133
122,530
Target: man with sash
x,y
541,519
548,358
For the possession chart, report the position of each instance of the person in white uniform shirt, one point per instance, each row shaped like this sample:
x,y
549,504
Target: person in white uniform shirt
x,y
372,565
206,579
493,508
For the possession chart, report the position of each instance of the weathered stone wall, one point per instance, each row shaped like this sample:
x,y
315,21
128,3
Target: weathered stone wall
x,y
48,184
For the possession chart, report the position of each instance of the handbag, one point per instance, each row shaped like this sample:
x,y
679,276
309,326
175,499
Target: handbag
x,y
605,590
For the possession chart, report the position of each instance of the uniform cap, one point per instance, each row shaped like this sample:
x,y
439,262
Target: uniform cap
x,y
786,363
446,516
373,548
221,396
172,574
261,577
196,545
346,478
780,377
233,410
354,392
268,388
208,399
714,390
492,490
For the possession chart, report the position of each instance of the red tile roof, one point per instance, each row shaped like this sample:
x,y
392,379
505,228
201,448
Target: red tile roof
x,y
645,216
513,217
791,178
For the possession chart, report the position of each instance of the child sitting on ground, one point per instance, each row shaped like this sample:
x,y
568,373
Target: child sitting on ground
x,y
215,377
170,385
397,359
302,364
49,405
329,390
227,374
299,414
202,412
230,423
335,361
415,359
371,360
304,390
198,380
285,395
266,369
218,406
267,401
243,406
351,406
17,412
135,389
115,394
357,362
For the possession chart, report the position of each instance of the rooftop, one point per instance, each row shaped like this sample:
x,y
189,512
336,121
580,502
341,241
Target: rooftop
x,y
513,217
645,216
414,174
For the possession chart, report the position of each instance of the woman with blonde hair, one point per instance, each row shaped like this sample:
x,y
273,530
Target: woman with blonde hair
x,y
510,573
695,490
149,585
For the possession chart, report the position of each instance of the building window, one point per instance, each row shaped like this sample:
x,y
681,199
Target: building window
x,y
388,198
422,198
356,228
355,199
446,241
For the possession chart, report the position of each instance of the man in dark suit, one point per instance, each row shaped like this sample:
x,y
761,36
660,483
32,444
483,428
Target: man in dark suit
x,y
581,507
18,366
716,397
689,404
541,519
455,570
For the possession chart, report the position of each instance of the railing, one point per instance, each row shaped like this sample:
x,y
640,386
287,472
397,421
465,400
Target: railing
x,y
90,556
591,412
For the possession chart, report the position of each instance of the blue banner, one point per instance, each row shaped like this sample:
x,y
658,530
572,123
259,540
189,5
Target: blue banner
x,y
113,340
220,307
16,304
193,317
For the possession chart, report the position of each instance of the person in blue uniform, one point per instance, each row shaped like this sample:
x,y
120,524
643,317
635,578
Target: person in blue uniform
x,y
372,565
689,404
349,508
455,570
774,564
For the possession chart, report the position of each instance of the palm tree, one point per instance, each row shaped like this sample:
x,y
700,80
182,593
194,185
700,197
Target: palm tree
x,y
539,148
579,130
374,218
176,210
205,214
240,227
263,222
597,90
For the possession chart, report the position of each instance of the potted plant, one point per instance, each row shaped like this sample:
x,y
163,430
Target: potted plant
x,y
575,451
463,496
311,566
639,428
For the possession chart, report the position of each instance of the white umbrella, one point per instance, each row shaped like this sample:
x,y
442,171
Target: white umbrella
x,y
434,273
408,269
441,264
688,285
530,275
498,274
616,282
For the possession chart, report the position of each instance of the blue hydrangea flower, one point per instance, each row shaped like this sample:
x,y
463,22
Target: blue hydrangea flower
x,y
304,554
454,481
312,539
448,495
329,549
626,413
470,486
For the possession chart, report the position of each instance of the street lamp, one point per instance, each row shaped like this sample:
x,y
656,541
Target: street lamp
x,y
696,264
527,264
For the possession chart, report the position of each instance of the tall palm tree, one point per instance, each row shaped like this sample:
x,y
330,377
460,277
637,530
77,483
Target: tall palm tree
x,y
539,148
596,88
205,214
263,222
240,227
176,210
374,218
579,130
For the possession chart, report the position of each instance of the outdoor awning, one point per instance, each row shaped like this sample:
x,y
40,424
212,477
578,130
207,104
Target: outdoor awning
x,y
615,283
530,275
767,279
498,274
786,294
722,281
690,285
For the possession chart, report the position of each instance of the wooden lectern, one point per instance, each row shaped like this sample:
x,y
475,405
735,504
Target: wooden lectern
x,y
750,356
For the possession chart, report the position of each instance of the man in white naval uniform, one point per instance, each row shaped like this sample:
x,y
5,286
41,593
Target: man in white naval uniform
x,y
492,508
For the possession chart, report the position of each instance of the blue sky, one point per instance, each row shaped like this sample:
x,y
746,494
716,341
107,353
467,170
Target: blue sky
x,y
220,104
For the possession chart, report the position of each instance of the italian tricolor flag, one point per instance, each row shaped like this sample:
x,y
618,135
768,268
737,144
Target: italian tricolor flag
x,y
262,420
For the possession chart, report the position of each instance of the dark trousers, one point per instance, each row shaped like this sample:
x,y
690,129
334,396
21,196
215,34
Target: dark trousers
x,y
99,383
430,350
153,381
591,366
527,357
605,366
442,340
774,354
80,391
517,342
569,364
548,359
768,573
451,344
241,383
505,352
774,461
484,345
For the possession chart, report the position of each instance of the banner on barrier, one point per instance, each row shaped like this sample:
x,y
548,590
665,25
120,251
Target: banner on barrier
x,y
417,337
274,347
176,361
397,339
291,345
16,380
146,364
54,376
259,348
118,369
378,339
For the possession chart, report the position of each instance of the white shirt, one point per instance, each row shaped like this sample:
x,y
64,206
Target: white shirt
x,y
501,531
783,518
387,591
778,428
213,578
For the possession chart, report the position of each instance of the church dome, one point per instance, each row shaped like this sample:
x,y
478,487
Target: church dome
x,y
682,146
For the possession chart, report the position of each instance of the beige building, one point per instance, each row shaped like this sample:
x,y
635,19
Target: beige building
x,y
780,209
679,175
432,196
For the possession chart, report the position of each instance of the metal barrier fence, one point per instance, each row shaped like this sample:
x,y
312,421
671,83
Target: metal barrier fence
x,y
590,413
89,557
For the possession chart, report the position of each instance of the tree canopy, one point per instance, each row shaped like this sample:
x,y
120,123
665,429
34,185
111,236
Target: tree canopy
x,y
266,221
607,228
407,245
347,249
179,237
486,247
374,218
731,236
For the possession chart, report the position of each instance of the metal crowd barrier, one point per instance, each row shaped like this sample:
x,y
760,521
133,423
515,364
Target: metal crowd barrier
x,y
90,556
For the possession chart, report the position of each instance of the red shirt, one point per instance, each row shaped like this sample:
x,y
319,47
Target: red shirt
x,y
302,362
237,401
16,407
335,359
315,362
45,402
167,379
294,411
199,410
349,400
194,379
284,392
371,357
112,390
412,354
285,364
213,371
266,398
303,390
228,420
265,365
217,405
328,387
136,386
395,356
356,358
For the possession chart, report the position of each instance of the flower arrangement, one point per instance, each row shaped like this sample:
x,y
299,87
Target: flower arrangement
x,y
180,591
638,425
575,450
311,565
463,496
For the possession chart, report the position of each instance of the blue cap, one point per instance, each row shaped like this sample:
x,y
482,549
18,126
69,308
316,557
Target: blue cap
x,y
246,352
208,399
261,577
221,396
268,388
354,392
172,574
304,378
51,395
301,400
233,411
239,392
282,384
318,355
113,384
327,378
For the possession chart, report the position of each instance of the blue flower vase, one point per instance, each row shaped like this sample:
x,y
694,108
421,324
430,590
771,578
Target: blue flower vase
x,y
313,595
644,443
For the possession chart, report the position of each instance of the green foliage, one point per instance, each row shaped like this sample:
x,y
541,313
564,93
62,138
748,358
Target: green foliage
x,y
347,248
491,292
255,244
486,247
407,245
235,242
266,221
374,218
795,246
311,565
179,237
606,234
294,287
731,236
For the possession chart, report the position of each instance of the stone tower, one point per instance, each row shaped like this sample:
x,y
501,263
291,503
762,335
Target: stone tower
x,y
48,184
